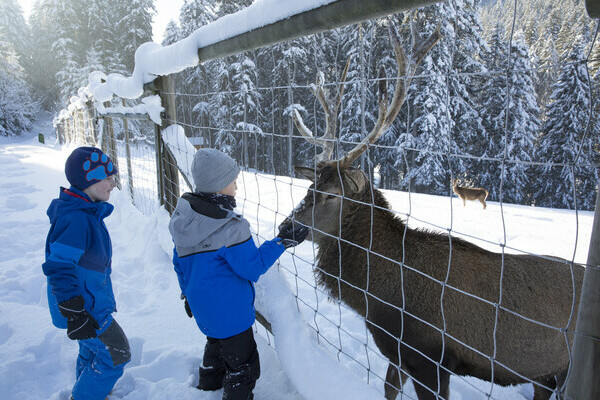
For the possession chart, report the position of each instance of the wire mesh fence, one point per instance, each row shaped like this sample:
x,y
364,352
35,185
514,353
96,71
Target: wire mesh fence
x,y
399,279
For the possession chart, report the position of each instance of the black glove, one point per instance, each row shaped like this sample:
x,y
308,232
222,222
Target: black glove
x,y
292,235
188,310
80,324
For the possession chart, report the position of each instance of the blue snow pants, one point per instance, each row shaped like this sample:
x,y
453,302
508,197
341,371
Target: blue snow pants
x,y
100,363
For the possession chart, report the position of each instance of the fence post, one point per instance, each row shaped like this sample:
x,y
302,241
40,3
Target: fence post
x,y
584,377
128,157
166,164
105,129
71,124
80,130
92,138
60,129
72,130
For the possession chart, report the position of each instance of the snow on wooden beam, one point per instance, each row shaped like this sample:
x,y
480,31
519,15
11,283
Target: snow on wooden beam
x,y
144,117
334,15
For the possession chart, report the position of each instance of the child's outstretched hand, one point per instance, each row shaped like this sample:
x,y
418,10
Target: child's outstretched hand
x,y
292,235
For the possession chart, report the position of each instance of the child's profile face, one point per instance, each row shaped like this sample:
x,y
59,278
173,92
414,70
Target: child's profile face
x,y
231,189
100,191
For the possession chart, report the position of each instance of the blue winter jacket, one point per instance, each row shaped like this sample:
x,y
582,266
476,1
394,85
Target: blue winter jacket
x,y
217,262
78,256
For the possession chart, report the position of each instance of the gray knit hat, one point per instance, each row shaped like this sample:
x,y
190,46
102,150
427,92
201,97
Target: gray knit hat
x,y
213,170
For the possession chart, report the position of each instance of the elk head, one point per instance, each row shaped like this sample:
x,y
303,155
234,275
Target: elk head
x,y
335,184
333,192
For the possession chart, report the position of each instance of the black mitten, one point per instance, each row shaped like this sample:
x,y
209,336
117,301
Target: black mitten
x,y
292,235
188,310
80,324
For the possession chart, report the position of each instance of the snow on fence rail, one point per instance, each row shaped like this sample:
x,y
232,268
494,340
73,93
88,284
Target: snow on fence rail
x,y
169,103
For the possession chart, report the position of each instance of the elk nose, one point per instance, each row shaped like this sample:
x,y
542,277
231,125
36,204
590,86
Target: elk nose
x,y
286,222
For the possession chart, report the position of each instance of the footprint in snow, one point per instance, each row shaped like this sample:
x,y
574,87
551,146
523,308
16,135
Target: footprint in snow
x,y
19,203
5,333
11,188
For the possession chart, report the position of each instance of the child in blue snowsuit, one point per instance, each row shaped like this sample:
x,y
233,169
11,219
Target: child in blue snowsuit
x,y
78,267
217,263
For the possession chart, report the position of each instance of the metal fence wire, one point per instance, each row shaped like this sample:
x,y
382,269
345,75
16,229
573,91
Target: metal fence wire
x,y
254,123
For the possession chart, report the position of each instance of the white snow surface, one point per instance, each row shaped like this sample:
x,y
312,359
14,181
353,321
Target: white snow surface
x,y
37,361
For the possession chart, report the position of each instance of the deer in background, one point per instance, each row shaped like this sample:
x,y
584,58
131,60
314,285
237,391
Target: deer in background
x,y
435,305
466,193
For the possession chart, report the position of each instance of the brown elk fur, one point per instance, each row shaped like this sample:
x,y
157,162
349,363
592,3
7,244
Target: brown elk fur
x,y
402,299
466,193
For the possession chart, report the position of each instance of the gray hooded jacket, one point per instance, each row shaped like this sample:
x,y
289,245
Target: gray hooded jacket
x,y
207,228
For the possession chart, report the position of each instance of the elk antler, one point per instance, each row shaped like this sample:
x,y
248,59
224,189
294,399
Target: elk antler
x,y
407,68
331,107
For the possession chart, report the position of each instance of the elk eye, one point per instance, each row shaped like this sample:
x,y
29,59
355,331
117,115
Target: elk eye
x,y
330,197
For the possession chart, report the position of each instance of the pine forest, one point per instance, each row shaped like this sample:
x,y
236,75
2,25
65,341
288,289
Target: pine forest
x,y
507,100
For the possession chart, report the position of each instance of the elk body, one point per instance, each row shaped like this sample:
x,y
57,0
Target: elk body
x,y
466,193
416,290
435,305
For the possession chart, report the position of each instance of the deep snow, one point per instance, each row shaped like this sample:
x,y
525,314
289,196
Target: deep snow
x,y
37,361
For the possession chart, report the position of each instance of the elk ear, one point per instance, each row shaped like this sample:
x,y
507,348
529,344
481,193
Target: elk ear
x,y
357,180
306,172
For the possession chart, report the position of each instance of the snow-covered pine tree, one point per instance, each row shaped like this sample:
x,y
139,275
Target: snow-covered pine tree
x,y
66,26
430,125
388,161
246,110
356,116
550,28
16,31
563,142
198,80
523,125
281,67
42,73
464,85
134,27
492,106
171,33
17,110
221,104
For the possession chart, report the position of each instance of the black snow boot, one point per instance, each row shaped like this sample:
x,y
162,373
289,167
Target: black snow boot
x,y
212,370
242,365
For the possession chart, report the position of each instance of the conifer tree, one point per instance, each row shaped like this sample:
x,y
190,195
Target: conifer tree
x,y
15,30
171,34
42,73
222,103
17,109
464,83
430,125
523,125
356,116
134,28
493,111
563,145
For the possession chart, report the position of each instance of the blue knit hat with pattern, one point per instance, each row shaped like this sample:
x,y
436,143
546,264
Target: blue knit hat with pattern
x,y
88,165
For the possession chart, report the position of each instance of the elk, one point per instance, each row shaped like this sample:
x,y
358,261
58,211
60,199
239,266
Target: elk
x,y
466,193
435,305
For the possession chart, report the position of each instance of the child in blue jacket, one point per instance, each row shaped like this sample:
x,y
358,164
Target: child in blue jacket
x,y
78,267
217,264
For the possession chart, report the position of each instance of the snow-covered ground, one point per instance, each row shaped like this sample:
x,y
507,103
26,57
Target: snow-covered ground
x,y
37,361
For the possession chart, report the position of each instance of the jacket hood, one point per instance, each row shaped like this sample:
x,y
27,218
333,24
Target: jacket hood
x,y
73,199
194,220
